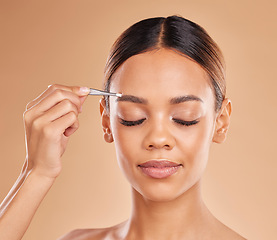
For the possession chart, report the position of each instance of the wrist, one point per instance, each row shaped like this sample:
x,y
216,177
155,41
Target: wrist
x,y
41,177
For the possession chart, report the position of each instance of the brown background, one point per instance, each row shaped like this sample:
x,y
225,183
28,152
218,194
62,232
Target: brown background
x,y
67,42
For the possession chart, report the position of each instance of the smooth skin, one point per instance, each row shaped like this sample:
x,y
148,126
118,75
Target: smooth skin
x,y
49,121
170,208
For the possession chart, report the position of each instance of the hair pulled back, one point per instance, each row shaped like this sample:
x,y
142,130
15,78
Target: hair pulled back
x,y
175,33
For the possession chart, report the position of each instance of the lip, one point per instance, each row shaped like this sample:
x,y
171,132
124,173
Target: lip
x,y
159,168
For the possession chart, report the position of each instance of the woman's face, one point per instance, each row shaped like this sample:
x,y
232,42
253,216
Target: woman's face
x,y
163,125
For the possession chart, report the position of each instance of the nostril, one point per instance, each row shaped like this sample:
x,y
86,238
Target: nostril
x,y
152,146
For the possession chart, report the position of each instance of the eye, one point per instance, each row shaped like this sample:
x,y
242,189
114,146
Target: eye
x,y
131,123
186,123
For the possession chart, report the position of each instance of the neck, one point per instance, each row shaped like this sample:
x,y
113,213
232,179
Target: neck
x,y
180,218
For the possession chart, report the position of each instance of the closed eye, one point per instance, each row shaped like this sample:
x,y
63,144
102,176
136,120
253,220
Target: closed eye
x,y
132,123
185,123
140,121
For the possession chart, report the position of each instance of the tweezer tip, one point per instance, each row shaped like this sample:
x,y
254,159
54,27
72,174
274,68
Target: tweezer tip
x,y
118,94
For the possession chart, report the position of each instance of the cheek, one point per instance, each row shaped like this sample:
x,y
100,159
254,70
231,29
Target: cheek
x,y
123,136
123,141
195,145
197,139
127,147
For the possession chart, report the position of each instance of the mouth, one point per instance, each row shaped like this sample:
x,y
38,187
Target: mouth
x,y
159,168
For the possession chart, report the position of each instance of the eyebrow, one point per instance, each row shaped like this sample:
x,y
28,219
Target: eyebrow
x,y
185,98
131,98
175,100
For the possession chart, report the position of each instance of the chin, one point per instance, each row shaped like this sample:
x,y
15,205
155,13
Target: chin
x,y
160,197
162,191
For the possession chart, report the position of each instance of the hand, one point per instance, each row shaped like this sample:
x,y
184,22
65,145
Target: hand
x,y
49,120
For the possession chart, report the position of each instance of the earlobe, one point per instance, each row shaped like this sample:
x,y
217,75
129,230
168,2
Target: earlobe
x,y
105,122
222,121
108,137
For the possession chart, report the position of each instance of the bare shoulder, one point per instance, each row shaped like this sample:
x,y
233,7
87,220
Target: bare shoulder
x,y
94,234
86,234
232,235
224,232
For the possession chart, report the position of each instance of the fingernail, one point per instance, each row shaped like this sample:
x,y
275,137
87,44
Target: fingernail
x,y
84,90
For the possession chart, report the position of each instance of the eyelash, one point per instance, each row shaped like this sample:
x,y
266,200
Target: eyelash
x,y
186,123
138,122
132,123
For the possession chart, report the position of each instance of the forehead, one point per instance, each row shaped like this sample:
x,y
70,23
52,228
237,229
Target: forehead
x,y
161,72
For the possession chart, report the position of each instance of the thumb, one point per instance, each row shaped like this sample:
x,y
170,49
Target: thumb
x,y
80,91
83,99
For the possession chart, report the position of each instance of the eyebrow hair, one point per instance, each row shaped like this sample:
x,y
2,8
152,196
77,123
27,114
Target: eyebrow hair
x,y
176,100
131,98
185,98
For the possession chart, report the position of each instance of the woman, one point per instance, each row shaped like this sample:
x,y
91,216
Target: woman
x,y
172,78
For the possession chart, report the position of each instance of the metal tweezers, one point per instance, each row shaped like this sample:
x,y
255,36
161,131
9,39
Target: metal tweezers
x,y
97,92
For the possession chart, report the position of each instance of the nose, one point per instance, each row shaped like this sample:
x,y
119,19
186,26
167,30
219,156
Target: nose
x,y
159,137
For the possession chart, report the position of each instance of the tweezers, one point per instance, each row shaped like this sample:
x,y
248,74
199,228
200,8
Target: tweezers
x,y
97,92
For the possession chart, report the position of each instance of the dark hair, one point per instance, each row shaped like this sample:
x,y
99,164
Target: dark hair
x,y
175,33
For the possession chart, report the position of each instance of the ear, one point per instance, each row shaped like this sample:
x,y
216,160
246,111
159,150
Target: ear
x,y
222,121
105,121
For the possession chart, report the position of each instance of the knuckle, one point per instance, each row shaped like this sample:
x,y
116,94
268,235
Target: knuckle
x,y
67,104
29,105
47,131
73,116
58,93
26,116
53,86
50,132
36,125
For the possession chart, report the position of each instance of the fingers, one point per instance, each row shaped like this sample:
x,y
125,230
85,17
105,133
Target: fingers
x,y
73,127
67,125
83,98
42,104
54,98
79,91
52,104
49,120
60,109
